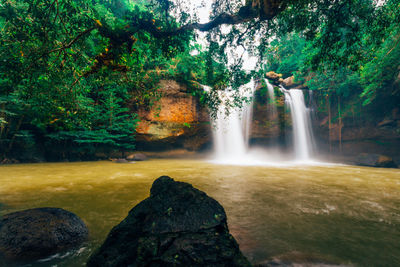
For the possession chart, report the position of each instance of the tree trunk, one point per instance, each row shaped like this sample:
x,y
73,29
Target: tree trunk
x,y
340,125
15,133
329,122
2,115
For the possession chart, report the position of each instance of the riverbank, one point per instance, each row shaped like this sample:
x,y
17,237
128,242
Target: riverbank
x,y
360,159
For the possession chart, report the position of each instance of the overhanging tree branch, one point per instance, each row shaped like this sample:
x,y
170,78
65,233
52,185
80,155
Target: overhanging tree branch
x,y
255,9
68,45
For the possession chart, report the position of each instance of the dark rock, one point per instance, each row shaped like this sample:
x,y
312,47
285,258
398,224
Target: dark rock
x,y
40,232
178,225
375,160
137,157
396,112
9,161
101,155
387,123
120,160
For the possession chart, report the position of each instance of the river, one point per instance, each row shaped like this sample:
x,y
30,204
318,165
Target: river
x,y
331,213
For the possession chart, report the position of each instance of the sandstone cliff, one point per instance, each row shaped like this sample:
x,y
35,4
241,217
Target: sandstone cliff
x,y
177,120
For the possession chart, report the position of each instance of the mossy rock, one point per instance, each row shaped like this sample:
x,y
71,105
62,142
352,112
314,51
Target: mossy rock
x,y
178,225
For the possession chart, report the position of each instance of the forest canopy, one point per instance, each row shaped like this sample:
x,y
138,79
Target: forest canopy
x,y
73,71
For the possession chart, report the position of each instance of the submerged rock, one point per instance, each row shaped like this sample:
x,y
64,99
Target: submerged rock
x,y
40,232
375,160
120,160
137,157
178,225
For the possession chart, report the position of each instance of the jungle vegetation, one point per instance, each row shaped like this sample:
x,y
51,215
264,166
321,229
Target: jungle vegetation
x,y
73,72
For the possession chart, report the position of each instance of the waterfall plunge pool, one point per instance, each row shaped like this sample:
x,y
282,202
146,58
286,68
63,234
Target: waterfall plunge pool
x,y
335,214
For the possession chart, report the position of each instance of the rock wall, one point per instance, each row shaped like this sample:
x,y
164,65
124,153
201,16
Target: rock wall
x,y
177,120
271,125
355,138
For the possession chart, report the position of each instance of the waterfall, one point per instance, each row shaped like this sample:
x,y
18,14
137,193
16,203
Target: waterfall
x,y
232,126
247,112
271,101
302,131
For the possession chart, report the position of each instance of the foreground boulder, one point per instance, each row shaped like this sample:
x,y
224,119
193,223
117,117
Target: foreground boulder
x,y
40,232
177,225
375,160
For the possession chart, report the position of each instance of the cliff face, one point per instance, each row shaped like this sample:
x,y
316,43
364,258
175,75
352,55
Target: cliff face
x,y
353,137
177,120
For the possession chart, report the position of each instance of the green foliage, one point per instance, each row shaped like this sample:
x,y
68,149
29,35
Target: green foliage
x,y
73,72
72,79
380,75
285,55
54,92
333,28
350,58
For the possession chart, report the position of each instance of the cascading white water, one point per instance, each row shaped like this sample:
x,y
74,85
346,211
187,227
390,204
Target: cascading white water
x,y
247,112
271,95
231,130
302,131
232,126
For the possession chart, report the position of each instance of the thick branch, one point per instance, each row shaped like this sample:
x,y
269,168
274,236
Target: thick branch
x,y
256,9
73,40
219,20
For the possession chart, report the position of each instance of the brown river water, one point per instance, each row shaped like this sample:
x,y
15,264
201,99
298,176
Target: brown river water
x,y
335,214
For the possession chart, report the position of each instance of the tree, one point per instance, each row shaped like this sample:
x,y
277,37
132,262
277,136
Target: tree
x,y
56,53
120,23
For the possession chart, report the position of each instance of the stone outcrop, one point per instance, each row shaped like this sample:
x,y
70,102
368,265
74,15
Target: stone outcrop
x,y
269,118
288,83
120,160
136,157
274,77
174,121
375,160
266,124
40,232
178,225
357,136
